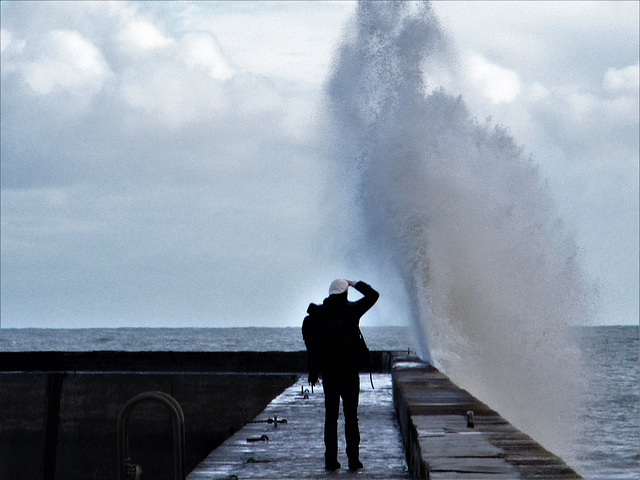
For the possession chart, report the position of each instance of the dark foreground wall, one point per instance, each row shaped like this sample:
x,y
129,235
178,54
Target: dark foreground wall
x,y
59,410
58,418
75,437
110,361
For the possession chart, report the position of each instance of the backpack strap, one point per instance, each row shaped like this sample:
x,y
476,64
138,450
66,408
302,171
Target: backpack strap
x,y
369,359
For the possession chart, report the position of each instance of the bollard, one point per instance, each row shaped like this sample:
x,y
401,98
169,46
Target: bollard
x,y
470,419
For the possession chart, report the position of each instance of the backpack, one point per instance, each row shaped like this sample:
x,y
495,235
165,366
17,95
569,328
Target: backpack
x,y
312,340
313,335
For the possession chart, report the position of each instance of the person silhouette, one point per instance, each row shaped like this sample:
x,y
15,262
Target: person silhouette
x,y
331,333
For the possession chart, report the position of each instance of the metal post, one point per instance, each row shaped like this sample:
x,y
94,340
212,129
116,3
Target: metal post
x,y
177,423
52,425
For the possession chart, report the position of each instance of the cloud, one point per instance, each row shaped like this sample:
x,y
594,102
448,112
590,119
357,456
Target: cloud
x,y
167,198
151,150
292,41
498,84
570,42
141,36
9,48
5,40
624,79
201,50
168,95
65,60
8,44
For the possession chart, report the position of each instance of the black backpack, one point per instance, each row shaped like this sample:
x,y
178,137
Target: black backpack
x,y
313,339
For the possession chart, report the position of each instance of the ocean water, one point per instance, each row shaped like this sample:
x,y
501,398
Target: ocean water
x,y
609,447
251,339
609,412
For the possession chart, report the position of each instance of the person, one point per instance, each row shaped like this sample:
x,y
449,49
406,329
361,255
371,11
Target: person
x,y
331,333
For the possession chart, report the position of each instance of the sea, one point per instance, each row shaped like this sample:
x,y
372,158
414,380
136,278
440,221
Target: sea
x,y
609,447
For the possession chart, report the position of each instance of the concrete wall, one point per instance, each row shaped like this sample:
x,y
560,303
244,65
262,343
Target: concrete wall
x,y
59,410
85,443
110,361
442,443
63,424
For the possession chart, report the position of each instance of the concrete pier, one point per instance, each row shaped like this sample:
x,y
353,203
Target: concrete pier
x,y
415,424
59,413
59,410
295,449
450,434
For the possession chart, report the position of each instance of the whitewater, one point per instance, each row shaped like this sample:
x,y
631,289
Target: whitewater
x,y
452,207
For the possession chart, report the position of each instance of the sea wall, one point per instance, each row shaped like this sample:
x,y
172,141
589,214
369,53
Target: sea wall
x,y
448,433
59,410
113,361
59,414
64,425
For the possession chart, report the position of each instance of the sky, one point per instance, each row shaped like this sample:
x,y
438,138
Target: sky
x,y
163,164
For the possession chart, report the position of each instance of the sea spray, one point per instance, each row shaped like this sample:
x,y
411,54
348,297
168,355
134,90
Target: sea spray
x,y
464,218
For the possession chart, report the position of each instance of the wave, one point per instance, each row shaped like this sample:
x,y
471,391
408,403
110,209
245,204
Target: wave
x,y
452,205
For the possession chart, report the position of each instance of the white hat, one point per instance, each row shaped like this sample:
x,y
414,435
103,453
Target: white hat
x,y
338,286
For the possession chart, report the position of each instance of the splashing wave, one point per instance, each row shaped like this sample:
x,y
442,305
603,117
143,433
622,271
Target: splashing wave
x,y
493,279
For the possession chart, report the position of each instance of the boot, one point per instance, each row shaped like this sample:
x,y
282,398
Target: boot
x,y
332,465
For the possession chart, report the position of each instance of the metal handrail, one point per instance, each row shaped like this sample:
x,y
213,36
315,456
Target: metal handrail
x,y
177,423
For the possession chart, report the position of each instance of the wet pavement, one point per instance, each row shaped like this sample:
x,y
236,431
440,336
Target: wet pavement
x,y
295,449
448,433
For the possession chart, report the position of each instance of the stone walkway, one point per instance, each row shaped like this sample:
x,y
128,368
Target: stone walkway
x,y
295,449
444,445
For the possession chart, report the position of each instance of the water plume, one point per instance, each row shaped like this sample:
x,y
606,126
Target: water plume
x,y
492,277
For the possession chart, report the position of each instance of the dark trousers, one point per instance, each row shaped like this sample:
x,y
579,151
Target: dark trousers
x,y
346,386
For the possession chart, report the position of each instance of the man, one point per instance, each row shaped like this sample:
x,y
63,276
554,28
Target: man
x,y
331,332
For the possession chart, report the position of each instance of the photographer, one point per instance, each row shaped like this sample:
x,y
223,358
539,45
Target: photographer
x,y
332,335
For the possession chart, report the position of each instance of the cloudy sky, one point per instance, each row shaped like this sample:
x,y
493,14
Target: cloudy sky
x,y
163,163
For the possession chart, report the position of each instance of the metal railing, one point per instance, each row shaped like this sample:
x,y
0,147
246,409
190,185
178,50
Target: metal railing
x,y
130,471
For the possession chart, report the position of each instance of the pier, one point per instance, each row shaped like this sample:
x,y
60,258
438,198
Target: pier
x,y
60,411
450,434
295,449
416,423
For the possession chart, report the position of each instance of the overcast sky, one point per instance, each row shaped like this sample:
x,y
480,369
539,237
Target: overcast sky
x,y
163,165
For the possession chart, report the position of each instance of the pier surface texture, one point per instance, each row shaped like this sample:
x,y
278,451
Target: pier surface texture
x,y
295,449
443,441
416,424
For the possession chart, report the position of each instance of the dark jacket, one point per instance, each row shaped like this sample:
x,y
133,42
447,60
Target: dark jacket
x,y
331,332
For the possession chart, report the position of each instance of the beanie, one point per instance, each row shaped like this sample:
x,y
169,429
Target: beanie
x,y
338,286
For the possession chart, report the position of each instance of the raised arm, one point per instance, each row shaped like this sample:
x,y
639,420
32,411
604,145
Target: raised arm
x,y
370,297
